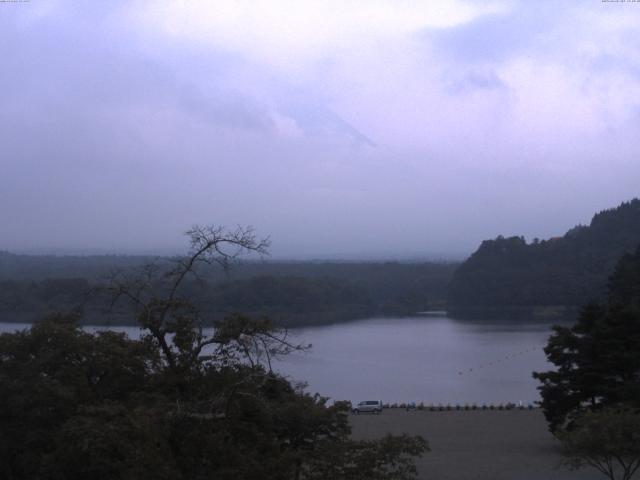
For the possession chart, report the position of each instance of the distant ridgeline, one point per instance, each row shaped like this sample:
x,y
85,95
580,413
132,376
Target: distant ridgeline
x,y
549,276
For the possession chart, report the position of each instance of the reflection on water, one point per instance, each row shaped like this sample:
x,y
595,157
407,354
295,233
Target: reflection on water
x,y
431,359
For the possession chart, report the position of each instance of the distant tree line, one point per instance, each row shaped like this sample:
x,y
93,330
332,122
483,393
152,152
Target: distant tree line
x,y
566,271
291,293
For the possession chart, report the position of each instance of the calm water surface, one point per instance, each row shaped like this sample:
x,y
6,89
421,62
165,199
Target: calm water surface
x,y
428,359
431,359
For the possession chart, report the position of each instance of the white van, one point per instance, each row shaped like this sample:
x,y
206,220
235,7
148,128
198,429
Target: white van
x,y
373,406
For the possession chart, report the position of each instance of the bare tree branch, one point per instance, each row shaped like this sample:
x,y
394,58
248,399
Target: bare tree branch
x,y
175,324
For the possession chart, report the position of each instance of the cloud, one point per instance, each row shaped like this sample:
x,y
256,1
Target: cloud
x,y
496,37
287,32
334,126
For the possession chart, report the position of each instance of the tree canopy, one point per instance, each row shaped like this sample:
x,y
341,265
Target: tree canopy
x,y
598,359
290,293
177,403
607,440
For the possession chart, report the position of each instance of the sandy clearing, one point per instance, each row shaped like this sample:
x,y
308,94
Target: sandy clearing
x,y
477,445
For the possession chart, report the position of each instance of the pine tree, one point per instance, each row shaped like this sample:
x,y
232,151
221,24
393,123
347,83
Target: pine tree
x,y
598,359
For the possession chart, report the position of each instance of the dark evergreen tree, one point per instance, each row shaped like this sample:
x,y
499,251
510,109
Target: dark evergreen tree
x,y
598,359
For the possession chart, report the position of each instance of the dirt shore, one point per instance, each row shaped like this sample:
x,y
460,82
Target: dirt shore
x,y
477,445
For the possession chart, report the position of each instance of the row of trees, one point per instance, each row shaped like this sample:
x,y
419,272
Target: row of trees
x,y
175,403
288,300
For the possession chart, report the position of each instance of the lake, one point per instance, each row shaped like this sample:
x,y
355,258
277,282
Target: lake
x,y
430,359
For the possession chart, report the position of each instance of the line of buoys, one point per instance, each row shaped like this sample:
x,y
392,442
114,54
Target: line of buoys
x,y
500,360
458,407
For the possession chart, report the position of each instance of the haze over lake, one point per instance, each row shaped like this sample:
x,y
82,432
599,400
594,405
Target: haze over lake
x,y
431,359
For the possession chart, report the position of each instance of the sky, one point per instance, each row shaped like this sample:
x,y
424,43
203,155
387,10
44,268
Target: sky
x,y
341,129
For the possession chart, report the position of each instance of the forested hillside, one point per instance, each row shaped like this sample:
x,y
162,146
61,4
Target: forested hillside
x,y
565,271
291,293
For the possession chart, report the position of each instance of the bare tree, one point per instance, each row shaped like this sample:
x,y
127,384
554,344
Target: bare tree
x,y
176,324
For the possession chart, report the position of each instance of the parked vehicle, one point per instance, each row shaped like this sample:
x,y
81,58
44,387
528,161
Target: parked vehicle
x,y
368,406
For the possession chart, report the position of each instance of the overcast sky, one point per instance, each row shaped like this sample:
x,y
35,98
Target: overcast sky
x,y
340,128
